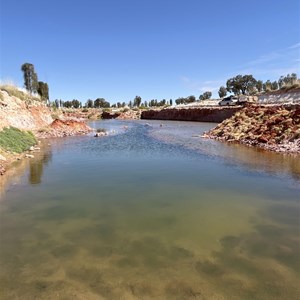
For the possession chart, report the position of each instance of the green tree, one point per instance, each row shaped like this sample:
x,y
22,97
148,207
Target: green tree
x,y
43,90
267,86
274,85
205,95
190,99
222,91
241,84
137,101
67,104
101,102
89,103
259,85
30,78
75,103
289,79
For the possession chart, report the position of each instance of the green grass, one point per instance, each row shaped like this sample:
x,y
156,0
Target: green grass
x,y
16,140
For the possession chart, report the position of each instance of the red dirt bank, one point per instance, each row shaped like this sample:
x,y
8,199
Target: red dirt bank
x,y
275,128
61,128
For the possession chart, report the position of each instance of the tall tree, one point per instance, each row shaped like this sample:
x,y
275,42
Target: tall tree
x,y
267,86
259,85
101,102
137,101
274,85
205,95
43,90
222,91
30,78
89,103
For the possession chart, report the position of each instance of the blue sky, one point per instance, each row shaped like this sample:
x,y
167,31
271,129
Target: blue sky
x,y
118,49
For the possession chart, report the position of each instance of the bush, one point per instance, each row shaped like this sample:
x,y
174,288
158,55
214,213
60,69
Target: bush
x,y
101,130
16,140
55,116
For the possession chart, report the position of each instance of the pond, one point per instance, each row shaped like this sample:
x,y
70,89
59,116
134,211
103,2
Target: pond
x,y
151,211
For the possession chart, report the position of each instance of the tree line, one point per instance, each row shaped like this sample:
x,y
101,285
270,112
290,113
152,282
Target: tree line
x,y
248,85
240,84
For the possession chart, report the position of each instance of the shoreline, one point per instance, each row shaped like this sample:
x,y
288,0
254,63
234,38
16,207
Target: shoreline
x,y
272,128
233,129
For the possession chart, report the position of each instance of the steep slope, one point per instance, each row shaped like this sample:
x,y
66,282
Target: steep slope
x,y
275,128
27,114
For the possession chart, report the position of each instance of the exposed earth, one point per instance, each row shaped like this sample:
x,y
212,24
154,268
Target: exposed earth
x,y
271,127
275,128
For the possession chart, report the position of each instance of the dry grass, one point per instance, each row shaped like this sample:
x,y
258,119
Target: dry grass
x,y
13,91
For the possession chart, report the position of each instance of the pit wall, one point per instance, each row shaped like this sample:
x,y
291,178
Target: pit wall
x,y
214,114
280,97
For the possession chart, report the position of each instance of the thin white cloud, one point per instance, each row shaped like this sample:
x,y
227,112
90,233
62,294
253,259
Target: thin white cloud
x,y
268,66
198,86
265,58
295,46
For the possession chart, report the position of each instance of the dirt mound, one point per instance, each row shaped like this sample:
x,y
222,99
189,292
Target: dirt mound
x,y
275,128
61,128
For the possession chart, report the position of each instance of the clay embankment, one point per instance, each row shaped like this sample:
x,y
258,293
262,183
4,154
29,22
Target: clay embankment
x,y
125,114
204,114
34,115
275,128
31,114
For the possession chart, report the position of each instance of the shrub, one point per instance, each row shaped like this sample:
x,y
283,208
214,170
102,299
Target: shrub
x,y
101,130
55,116
16,140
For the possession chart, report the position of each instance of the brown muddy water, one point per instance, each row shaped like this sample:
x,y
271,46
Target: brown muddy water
x,y
151,212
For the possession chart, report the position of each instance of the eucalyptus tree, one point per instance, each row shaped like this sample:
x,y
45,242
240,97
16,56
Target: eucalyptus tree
x,y
30,78
222,91
43,90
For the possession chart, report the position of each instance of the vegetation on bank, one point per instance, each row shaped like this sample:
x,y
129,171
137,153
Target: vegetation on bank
x,y
31,83
13,91
238,85
16,140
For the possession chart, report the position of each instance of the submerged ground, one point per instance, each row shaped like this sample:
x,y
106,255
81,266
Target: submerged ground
x,y
151,212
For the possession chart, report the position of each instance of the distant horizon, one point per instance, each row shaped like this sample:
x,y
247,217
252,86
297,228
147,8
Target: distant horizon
x,y
155,49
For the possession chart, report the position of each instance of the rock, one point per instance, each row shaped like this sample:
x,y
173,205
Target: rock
x,y
29,155
31,148
262,139
272,128
2,157
2,169
98,134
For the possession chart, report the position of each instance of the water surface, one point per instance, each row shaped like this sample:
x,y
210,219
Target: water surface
x,y
151,212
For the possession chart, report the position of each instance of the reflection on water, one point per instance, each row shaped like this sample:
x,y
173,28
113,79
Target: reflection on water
x,y
131,217
188,134
36,166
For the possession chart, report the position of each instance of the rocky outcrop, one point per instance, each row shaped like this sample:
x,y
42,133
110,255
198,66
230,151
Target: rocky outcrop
x,y
275,128
205,114
25,115
61,128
